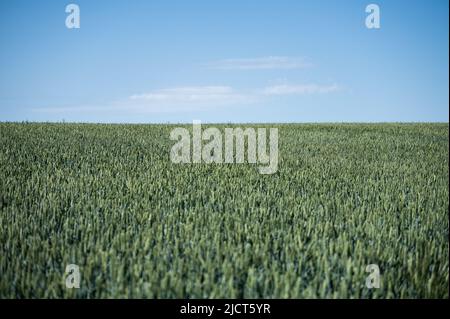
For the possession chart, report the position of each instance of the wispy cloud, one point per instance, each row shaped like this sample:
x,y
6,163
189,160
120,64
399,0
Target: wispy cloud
x,y
262,63
300,89
191,94
168,100
194,98
189,98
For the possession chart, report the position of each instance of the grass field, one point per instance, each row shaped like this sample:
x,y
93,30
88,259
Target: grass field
x,y
108,198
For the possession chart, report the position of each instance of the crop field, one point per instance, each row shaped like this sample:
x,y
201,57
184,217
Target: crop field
x,y
107,198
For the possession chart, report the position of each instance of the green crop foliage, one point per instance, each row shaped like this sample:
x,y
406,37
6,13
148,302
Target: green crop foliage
x,y
108,198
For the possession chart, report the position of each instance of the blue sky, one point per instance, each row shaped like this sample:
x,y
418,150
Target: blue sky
x,y
224,61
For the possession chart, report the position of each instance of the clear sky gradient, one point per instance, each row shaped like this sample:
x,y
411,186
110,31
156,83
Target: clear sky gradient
x,y
224,61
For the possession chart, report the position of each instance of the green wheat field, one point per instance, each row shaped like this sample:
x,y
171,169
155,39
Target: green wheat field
x,y
107,198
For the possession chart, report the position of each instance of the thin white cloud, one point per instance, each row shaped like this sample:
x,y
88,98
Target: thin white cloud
x,y
168,100
262,63
194,98
301,89
191,94
189,98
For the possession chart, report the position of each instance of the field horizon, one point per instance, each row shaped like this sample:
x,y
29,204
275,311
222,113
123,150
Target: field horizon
x,y
225,123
